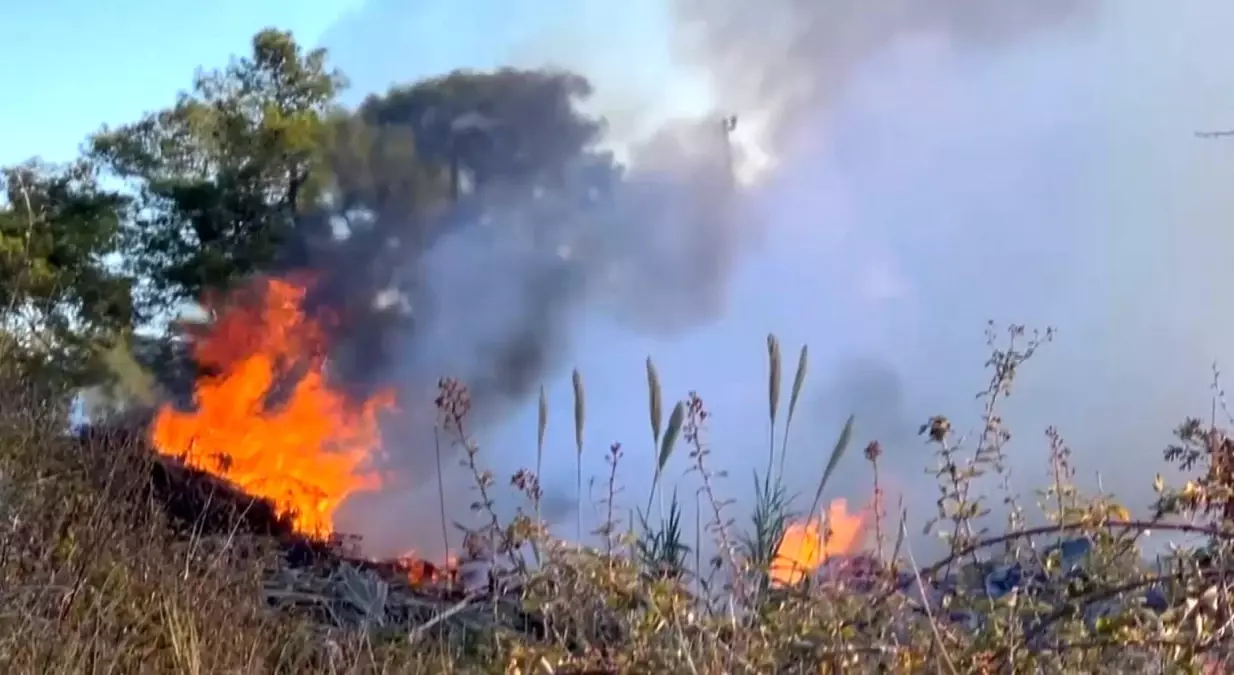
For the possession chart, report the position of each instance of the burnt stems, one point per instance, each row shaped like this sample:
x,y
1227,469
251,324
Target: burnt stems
x,y
196,503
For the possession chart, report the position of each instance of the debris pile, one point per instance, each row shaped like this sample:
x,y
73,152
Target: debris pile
x,y
1057,580
324,580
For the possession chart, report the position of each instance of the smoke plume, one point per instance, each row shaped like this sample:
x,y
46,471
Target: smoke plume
x,y
928,166
791,60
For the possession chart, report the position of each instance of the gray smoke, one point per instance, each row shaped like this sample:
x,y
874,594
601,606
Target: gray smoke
x,y
936,165
1022,162
498,302
793,59
504,311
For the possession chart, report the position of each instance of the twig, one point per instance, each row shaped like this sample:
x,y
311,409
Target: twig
x,y
441,490
1059,528
418,631
1041,626
925,602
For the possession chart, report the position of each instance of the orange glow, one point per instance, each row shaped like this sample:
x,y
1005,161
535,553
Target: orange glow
x,y
266,419
806,546
419,571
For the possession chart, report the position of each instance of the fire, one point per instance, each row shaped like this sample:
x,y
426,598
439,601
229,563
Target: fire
x,y
420,571
805,546
266,419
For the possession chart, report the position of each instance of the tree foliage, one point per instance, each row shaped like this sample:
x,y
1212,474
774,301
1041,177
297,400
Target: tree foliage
x,y
504,155
420,159
221,174
258,167
62,296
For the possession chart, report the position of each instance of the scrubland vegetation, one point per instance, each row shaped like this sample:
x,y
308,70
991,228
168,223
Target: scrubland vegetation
x,y
96,577
246,175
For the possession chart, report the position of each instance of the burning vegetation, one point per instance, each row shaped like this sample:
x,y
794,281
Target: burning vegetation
x,y
240,566
266,420
591,608
271,447
808,545
269,435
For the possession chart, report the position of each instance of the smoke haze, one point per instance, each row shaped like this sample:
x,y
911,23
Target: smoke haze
x,y
926,167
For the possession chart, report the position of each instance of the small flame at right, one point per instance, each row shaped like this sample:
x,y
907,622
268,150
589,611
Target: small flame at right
x,y
806,546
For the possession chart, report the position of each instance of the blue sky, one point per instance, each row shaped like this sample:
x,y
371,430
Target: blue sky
x,y
113,61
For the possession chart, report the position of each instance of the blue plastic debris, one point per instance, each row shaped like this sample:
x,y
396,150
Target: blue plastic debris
x,y
997,581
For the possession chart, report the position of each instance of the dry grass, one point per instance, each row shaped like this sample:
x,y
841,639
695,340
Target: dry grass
x,y
95,578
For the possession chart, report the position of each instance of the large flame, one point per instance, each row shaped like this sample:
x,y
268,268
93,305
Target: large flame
x,y
266,419
806,546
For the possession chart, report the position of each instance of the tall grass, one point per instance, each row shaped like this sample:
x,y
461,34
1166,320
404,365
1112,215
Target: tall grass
x,y
94,578
579,417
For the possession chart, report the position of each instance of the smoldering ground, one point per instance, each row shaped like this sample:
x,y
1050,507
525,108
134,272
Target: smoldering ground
x,y
935,165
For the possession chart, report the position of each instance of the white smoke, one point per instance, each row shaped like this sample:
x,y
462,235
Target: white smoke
x,y
928,166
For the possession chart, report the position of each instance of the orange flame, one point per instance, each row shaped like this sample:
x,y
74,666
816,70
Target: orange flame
x,y
306,449
419,571
806,546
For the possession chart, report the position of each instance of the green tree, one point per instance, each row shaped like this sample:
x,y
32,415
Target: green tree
x,y
63,299
443,153
506,155
258,169
259,166
221,175
504,126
